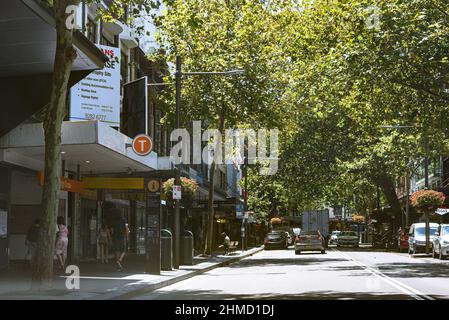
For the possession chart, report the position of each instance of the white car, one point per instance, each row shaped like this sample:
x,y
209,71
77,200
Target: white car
x,y
441,242
417,237
334,237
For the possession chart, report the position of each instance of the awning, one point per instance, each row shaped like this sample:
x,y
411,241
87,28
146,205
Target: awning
x,y
27,50
94,146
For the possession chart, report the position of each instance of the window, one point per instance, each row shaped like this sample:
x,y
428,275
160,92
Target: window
x,y
91,30
124,67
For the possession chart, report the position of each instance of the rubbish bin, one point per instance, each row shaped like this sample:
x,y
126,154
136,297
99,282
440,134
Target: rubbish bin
x,y
166,250
187,248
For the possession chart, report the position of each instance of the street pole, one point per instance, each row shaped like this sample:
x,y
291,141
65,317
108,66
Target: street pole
x,y
426,183
407,202
177,233
245,200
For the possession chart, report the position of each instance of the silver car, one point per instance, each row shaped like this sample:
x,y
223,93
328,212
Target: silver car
x,y
309,241
348,238
441,242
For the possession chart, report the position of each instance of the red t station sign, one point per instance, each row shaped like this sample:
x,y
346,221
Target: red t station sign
x,y
142,145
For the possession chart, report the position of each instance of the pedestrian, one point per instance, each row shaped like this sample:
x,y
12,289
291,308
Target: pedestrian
x,y
119,236
226,243
31,241
104,237
62,240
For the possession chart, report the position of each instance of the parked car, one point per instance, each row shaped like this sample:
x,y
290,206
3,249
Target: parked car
x,y
334,237
348,238
310,241
441,242
417,237
276,240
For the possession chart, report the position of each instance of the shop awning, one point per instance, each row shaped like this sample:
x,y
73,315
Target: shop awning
x,y
94,146
27,50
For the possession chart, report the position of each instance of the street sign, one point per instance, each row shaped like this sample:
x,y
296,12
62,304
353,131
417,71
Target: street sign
x,y
142,145
153,232
176,192
153,185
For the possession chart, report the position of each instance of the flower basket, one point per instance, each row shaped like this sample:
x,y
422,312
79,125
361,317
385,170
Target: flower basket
x,y
427,199
188,189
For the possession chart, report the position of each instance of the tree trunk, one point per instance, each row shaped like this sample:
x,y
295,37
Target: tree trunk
x,y
210,203
42,274
384,181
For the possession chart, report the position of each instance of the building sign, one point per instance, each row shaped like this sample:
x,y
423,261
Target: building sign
x,y
97,97
142,145
442,211
66,184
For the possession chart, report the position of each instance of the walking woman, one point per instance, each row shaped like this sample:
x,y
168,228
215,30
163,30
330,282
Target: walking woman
x,y
62,240
104,237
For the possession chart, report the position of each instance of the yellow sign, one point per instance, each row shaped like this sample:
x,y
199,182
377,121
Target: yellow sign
x,y
153,186
114,183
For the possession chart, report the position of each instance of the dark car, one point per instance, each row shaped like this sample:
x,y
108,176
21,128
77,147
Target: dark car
x,y
276,240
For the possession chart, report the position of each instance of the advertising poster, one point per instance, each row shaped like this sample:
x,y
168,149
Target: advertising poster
x,y
97,97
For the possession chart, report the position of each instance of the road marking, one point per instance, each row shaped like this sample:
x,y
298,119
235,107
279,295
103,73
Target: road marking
x,y
416,294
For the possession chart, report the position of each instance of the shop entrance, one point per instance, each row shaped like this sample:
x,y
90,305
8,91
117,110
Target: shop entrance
x,y
88,228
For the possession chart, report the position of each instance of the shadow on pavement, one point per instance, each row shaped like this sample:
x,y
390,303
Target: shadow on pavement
x,y
311,295
296,261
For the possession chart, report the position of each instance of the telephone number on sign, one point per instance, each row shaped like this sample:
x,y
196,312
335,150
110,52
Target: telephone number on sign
x,y
91,116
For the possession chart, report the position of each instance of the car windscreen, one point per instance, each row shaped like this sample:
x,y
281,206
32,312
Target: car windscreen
x,y
421,231
336,233
274,236
445,230
348,234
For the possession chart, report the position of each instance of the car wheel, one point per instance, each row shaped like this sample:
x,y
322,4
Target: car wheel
x,y
323,251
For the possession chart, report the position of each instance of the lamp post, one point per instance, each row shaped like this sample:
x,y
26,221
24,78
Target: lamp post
x,y
178,78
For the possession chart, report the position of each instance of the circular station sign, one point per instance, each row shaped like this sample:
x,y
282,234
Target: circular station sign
x,y
142,145
153,185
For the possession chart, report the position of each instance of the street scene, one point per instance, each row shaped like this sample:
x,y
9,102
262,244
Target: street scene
x,y
339,274
224,150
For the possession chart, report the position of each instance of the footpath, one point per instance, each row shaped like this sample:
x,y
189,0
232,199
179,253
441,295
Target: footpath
x,y
102,282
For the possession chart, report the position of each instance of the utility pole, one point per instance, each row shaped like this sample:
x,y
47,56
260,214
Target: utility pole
x,y
407,201
177,231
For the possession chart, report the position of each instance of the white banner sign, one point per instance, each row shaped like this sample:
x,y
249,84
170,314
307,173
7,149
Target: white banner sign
x,y
97,97
176,192
442,211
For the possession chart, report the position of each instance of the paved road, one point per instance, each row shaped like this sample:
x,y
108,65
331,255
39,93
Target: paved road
x,y
338,274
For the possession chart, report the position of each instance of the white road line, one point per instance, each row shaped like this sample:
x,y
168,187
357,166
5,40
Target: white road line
x,y
416,294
